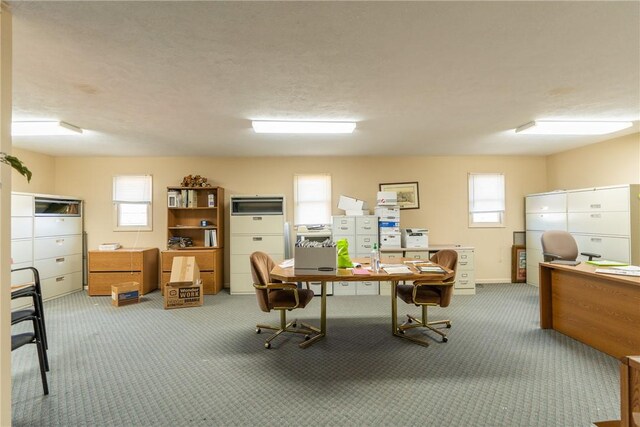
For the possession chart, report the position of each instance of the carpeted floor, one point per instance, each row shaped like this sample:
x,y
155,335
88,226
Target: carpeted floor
x,y
141,365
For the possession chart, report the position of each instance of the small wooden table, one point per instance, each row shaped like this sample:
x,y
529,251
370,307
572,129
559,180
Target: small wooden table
x,y
600,310
288,275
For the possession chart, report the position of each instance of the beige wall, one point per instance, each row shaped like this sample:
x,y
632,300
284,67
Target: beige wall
x,y
42,167
616,161
442,183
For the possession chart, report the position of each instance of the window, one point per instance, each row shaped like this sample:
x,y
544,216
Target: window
x,y
486,200
312,199
132,202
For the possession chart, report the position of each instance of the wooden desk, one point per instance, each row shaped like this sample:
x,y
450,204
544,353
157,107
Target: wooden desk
x,y
288,275
600,310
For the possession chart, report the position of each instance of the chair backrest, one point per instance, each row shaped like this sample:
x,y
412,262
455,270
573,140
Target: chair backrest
x,y
560,244
447,258
261,266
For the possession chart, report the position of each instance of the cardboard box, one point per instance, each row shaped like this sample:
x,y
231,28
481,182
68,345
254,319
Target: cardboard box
x,y
185,287
316,261
387,198
125,294
351,204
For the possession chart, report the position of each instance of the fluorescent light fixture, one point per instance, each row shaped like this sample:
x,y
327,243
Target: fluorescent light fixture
x,y
571,128
302,127
43,128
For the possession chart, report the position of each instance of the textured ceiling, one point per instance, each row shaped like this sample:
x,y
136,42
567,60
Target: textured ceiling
x,y
433,78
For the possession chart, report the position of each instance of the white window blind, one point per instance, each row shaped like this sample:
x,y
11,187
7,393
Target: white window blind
x,y
312,199
132,197
486,199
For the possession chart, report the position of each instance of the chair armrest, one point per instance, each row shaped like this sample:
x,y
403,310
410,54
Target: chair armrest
x,y
550,256
282,286
590,255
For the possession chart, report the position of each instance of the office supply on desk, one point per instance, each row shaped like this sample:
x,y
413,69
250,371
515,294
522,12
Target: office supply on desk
x,y
434,292
402,269
361,271
274,295
619,272
430,269
606,263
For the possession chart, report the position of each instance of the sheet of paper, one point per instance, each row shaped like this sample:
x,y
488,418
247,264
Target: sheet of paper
x,y
402,269
618,272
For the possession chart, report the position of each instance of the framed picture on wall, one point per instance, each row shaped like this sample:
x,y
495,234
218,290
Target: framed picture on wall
x,y
407,193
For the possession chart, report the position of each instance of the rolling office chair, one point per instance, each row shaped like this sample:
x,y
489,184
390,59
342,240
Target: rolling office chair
x,y
278,296
559,247
425,293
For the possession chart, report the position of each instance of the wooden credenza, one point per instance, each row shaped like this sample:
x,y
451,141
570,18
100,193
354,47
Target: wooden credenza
x,y
209,263
108,268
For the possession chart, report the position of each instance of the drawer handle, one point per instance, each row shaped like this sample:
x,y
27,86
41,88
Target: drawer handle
x,y
463,256
60,279
257,239
60,241
257,218
596,239
58,260
464,274
366,246
596,216
59,219
596,206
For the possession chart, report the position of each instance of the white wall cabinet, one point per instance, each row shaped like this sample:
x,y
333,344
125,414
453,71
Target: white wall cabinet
x,y
603,220
50,242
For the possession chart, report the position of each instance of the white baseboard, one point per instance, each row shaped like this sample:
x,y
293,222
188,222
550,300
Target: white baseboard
x,y
502,281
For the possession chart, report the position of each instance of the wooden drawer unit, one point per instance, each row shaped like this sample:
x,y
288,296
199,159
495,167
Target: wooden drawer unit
x,y
209,263
108,268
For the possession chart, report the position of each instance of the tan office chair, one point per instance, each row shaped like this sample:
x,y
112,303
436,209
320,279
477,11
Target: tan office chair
x,y
275,295
425,293
559,247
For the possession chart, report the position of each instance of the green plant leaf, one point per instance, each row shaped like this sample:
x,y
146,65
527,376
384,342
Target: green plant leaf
x,y
17,164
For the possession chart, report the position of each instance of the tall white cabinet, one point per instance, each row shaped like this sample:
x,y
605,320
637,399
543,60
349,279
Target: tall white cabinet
x,y
603,220
46,233
257,224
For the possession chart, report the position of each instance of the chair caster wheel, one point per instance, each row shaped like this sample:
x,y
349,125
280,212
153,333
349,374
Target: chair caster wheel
x,y
445,339
267,345
307,337
409,320
258,330
400,331
295,325
448,325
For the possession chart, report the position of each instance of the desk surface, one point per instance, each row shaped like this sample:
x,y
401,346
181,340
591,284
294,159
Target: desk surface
x,y
590,270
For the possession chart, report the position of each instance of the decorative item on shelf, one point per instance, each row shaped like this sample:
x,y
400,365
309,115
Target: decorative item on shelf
x,y
179,242
195,181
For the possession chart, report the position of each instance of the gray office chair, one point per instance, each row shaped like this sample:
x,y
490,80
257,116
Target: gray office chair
x,y
559,247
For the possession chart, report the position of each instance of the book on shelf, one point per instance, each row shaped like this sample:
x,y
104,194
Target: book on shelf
x,y
210,238
211,201
183,198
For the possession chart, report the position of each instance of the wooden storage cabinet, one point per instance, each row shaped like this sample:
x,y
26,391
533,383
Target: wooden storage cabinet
x,y
108,268
209,263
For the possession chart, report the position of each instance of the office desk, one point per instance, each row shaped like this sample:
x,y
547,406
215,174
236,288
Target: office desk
x,y
600,310
288,275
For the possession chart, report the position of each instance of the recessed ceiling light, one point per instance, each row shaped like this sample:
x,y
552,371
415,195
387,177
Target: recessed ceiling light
x,y
571,128
302,127
43,128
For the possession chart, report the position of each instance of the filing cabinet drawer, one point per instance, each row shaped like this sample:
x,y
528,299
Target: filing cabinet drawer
x,y
603,199
247,244
423,255
49,247
57,226
390,256
364,244
465,284
242,283
62,284
546,203
115,261
465,260
206,260
21,227
241,263
465,277
351,240
20,277
21,251
316,287
615,223
21,205
344,225
256,224
367,224
367,288
533,273
53,267
344,288
534,240
100,283
547,221
611,248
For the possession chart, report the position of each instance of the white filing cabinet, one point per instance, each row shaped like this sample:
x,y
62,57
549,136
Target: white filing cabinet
x,y
543,212
361,232
257,224
50,241
603,220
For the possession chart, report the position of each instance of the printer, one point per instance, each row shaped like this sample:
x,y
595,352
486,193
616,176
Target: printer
x,y
415,238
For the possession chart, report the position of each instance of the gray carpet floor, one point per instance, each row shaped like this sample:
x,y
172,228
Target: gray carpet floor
x,y
141,365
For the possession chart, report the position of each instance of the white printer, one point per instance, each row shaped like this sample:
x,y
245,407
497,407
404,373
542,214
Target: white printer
x,y
415,238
